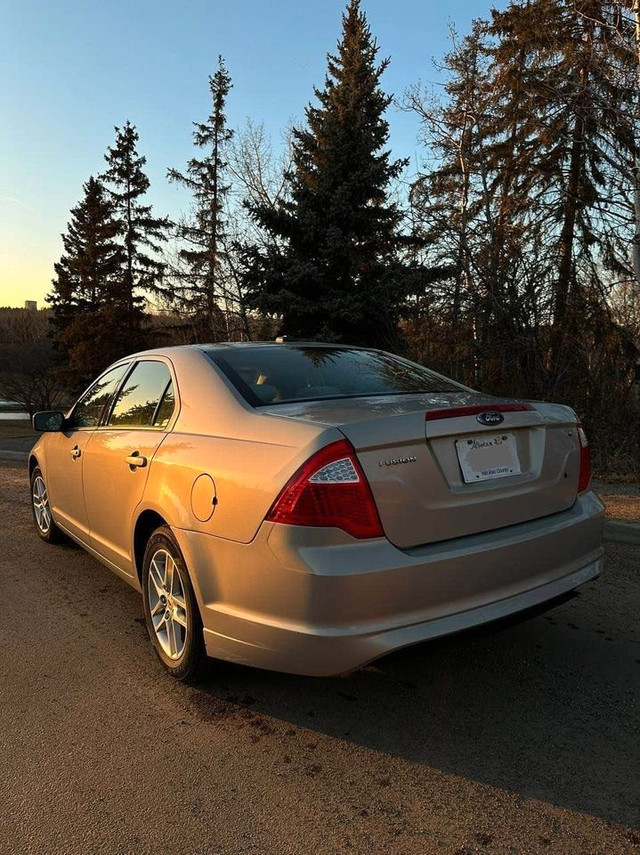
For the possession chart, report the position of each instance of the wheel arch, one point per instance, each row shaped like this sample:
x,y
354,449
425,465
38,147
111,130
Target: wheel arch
x,y
33,462
148,521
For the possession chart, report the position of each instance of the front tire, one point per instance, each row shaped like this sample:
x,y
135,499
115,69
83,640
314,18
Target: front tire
x,y
170,607
41,508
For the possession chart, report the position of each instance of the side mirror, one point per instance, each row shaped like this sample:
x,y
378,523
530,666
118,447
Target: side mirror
x,y
48,421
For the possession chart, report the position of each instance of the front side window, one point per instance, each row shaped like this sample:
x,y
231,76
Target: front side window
x,y
88,411
143,396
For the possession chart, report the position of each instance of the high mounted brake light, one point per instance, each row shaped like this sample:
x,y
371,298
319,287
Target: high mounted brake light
x,y
330,489
475,409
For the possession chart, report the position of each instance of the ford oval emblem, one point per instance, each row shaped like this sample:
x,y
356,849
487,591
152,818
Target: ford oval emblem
x,y
491,417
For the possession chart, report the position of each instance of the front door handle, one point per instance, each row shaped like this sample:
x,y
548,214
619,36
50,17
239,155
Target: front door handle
x,y
75,452
136,460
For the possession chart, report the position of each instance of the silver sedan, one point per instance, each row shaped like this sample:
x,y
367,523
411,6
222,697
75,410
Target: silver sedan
x,y
308,508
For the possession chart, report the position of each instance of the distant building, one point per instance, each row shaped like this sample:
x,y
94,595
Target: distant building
x,y
31,305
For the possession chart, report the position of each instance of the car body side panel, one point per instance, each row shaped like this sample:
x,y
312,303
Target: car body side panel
x,y
114,489
247,476
61,456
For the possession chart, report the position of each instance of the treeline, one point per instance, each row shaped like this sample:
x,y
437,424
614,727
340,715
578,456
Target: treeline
x,y
511,261
530,213
312,247
27,357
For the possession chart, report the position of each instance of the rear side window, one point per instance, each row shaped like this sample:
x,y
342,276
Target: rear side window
x,y
142,397
88,411
166,407
283,374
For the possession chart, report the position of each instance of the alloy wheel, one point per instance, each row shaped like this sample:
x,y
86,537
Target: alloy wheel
x,y
41,509
167,604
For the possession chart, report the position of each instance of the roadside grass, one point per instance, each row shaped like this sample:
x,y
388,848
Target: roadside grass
x,y
616,466
615,453
622,507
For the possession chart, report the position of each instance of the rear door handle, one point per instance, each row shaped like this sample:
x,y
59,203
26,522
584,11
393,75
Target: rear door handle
x,y
135,459
75,452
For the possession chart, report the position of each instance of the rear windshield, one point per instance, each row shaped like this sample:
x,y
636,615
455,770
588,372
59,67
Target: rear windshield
x,y
286,373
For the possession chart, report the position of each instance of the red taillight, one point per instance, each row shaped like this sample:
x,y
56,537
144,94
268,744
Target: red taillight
x,y
330,489
585,460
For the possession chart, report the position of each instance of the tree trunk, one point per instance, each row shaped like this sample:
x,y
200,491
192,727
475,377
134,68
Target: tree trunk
x,y
636,193
564,280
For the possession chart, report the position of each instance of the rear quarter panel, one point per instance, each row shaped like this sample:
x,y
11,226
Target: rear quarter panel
x,y
247,476
248,453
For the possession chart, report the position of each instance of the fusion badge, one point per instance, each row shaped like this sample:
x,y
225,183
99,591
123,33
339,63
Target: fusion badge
x,y
395,461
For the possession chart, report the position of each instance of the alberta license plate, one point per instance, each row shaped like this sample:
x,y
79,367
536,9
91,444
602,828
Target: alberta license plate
x,y
483,457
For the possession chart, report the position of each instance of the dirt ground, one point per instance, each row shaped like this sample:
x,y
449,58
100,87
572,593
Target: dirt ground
x,y
513,740
622,501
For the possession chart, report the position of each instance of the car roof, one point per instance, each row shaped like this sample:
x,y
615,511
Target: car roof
x,y
276,344
248,345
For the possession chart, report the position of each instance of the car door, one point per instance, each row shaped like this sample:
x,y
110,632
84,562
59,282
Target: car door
x,y
66,452
117,462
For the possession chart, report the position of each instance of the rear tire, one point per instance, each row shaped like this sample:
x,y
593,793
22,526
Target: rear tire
x,y
171,609
41,509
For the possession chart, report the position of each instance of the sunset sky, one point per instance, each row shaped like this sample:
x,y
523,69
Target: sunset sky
x,y
75,68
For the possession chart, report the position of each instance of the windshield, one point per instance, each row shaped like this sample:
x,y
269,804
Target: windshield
x,y
287,373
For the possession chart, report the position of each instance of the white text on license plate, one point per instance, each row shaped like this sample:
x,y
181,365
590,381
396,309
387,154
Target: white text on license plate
x,y
485,456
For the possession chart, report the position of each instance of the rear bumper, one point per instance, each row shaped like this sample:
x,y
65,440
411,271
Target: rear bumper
x,y
317,602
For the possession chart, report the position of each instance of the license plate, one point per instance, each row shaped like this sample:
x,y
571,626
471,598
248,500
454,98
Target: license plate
x,y
483,457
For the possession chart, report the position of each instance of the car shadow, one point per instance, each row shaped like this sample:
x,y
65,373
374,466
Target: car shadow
x,y
545,708
536,708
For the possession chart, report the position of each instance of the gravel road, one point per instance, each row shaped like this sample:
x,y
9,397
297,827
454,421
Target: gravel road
x,y
512,740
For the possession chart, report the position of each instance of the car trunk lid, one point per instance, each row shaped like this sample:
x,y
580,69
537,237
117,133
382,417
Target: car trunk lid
x,y
437,470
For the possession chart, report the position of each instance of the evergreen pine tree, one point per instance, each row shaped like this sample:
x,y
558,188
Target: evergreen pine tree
x,y
476,220
204,236
574,147
332,270
530,202
86,279
141,233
